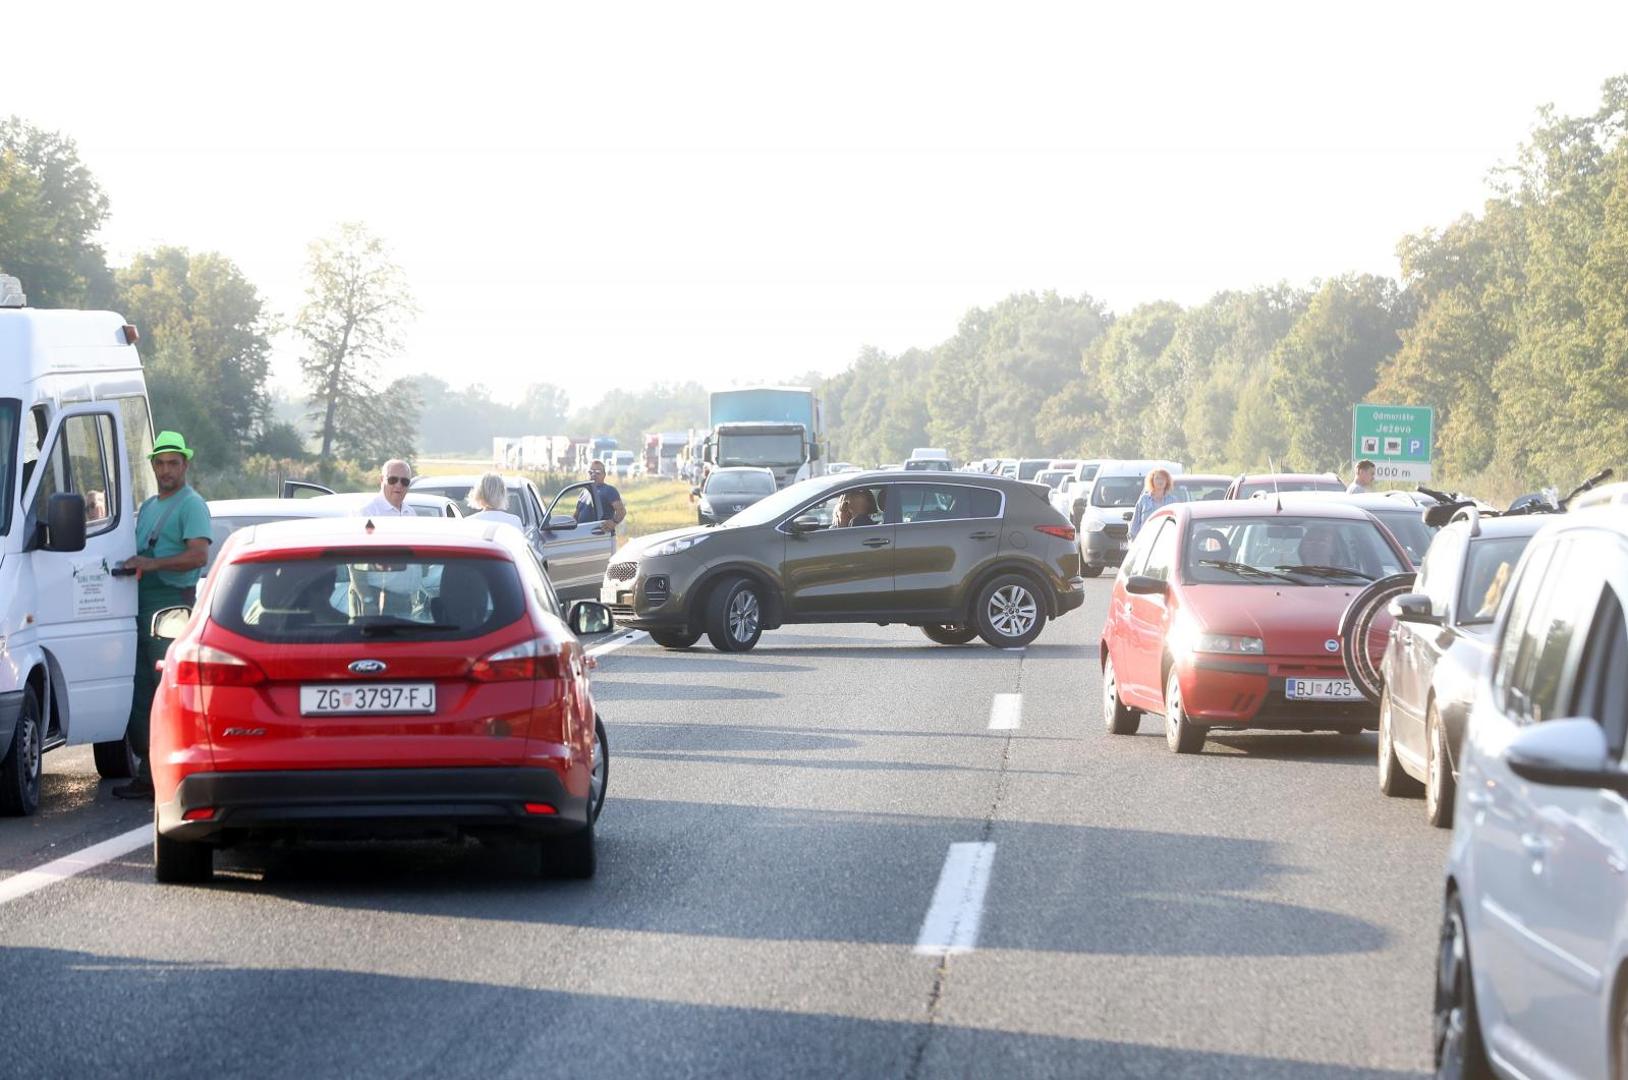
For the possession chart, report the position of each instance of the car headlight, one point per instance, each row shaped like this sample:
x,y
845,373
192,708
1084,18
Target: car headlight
x,y
1186,636
1095,525
673,547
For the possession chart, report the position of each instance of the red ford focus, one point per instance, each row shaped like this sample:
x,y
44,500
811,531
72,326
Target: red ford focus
x,y
1226,616
342,678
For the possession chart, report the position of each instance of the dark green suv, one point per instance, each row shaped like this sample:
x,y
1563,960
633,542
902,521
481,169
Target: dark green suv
x,y
961,555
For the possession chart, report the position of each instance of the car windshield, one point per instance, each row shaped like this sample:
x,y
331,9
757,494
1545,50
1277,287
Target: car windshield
x,y
740,483
760,450
376,595
10,411
1281,549
1116,491
459,493
1409,529
927,465
1487,571
1026,470
776,506
1201,490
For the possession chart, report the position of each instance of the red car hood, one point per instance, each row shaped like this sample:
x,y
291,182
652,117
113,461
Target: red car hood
x,y
1291,620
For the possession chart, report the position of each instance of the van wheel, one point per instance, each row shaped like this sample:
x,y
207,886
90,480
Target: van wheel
x,y
116,759
1180,734
675,639
180,862
734,615
950,633
599,774
570,857
20,771
1008,612
1392,780
1117,717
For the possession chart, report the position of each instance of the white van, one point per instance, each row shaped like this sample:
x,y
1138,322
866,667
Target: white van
x,y
1105,518
75,432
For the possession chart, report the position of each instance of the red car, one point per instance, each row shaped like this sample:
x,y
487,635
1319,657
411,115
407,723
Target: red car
x,y
1225,615
342,678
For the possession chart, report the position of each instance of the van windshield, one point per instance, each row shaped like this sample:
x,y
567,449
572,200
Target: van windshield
x,y
10,410
1116,491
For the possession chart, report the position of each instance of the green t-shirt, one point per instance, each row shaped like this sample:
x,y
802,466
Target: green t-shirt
x,y
162,532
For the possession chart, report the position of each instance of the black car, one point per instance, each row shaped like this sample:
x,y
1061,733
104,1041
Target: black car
x,y
1437,649
729,491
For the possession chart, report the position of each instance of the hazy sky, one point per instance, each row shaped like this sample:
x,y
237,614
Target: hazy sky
x,y
603,195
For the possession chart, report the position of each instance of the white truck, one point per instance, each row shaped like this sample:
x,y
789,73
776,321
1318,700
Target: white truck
x,y
75,432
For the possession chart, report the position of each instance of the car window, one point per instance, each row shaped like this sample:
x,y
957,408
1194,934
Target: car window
x,y
1602,680
1161,558
1528,587
855,507
459,493
365,596
79,462
546,596
1487,569
1280,549
935,502
1116,491
137,426
1536,680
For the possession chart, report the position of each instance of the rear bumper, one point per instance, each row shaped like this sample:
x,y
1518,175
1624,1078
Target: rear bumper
x,y
1103,548
371,802
1071,597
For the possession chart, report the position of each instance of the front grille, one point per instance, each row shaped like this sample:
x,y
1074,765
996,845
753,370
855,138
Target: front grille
x,y
622,611
623,571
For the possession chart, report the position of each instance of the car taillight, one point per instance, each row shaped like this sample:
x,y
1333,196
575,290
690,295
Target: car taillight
x,y
1062,532
205,665
539,658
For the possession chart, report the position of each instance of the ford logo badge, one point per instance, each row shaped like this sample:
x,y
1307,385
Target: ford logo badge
x,y
1331,645
367,667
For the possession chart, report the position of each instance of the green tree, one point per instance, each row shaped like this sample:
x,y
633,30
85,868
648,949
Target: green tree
x,y
356,301
50,210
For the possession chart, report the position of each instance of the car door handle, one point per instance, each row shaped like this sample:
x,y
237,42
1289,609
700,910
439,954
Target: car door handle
x,y
984,535
876,542
1534,845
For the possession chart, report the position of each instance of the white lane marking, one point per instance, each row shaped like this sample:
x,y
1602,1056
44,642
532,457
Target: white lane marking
x,y
616,643
1006,712
951,925
20,885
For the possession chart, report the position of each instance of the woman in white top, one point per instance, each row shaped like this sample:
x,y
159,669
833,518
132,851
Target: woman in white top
x,y
488,498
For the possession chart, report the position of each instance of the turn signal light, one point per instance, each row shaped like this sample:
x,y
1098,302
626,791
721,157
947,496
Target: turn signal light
x,y
538,658
1062,532
205,665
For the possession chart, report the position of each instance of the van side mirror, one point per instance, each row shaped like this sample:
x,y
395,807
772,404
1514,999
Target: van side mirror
x,y
590,617
170,623
65,522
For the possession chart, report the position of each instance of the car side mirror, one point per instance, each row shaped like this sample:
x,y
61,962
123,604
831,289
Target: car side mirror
x,y
170,623
561,523
1565,753
802,526
1142,585
65,522
590,617
1415,608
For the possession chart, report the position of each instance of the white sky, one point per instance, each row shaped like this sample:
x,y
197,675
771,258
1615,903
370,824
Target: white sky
x,y
603,195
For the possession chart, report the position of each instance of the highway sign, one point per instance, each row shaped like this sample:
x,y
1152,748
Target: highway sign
x,y
1396,438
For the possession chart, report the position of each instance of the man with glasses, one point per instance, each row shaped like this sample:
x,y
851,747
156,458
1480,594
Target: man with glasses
x,y
600,501
382,591
391,501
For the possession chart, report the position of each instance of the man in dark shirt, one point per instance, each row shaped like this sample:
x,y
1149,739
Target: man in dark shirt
x,y
600,501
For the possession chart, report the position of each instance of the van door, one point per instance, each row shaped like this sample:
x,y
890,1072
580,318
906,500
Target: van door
x,y
85,614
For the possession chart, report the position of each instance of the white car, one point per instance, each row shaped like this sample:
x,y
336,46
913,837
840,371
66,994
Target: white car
x,y
1533,966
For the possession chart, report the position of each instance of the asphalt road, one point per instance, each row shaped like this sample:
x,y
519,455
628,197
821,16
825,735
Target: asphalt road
x,y
817,859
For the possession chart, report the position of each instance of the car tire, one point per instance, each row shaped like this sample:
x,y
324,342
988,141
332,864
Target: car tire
x,y
1088,570
950,633
116,759
599,771
571,857
1117,717
20,771
1009,612
1392,780
1459,1050
1180,734
1440,788
735,615
675,639
181,862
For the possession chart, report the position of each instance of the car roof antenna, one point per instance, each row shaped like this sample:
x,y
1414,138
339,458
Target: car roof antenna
x,y
1277,495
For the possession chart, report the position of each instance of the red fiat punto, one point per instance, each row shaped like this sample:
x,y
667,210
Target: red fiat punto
x,y
1225,615
345,678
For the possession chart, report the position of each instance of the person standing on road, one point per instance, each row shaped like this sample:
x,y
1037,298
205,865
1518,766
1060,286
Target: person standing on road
x,y
173,533
600,501
391,501
1157,491
489,498
1364,483
388,592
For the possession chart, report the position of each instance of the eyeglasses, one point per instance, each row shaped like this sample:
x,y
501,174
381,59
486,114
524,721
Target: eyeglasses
x,y
403,481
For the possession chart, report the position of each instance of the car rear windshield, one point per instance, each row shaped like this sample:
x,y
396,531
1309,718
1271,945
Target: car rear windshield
x,y
1282,549
733,483
1116,490
378,595
459,493
1487,571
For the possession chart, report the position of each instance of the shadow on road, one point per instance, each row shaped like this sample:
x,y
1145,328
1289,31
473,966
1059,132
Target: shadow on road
x,y
187,1019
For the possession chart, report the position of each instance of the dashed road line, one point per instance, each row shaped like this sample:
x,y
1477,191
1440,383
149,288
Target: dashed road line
x,y
617,642
20,885
951,925
1006,712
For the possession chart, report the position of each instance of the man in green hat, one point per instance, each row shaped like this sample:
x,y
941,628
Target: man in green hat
x,y
172,537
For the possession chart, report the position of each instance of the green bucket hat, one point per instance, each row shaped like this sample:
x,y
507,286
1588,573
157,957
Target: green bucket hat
x,y
170,442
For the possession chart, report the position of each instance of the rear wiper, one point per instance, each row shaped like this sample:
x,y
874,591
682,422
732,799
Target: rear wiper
x,y
401,626
1326,571
1244,569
